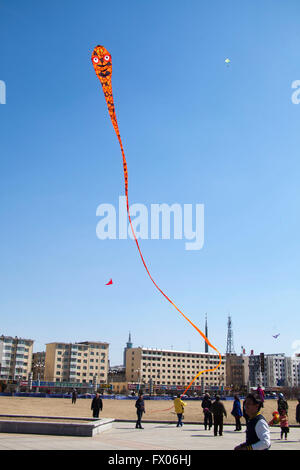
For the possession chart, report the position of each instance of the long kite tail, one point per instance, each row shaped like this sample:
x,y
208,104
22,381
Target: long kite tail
x,y
148,272
101,60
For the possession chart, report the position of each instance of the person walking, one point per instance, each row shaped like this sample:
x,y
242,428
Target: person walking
x,y
258,431
179,409
282,404
207,418
298,412
97,405
206,402
237,413
218,411
74,396
206,406
140,409
284,424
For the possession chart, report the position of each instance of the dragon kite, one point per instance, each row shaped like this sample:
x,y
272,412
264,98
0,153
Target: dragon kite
x,y
102,62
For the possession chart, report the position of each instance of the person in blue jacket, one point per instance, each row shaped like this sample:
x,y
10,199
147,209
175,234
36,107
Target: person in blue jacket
x,y
237,413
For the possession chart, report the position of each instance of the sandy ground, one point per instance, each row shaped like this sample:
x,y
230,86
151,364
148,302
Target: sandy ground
x,y
160,410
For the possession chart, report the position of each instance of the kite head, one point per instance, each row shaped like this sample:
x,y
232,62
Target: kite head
x,y
101,60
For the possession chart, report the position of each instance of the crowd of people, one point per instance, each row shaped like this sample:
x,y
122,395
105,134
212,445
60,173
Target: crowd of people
x,y
257,427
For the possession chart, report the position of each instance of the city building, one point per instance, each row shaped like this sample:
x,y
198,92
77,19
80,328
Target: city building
x,y
295,371
273,370
119,387
83,362
237,371
166,369
15,358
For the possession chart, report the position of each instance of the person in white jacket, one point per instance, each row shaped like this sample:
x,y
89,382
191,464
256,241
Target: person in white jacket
x,y
258,431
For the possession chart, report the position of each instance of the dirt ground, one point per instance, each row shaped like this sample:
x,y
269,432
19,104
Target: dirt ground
x,y
158,410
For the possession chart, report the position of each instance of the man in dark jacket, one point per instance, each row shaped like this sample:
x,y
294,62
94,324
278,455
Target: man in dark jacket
x,y
96,406
218,410
140,409
74,396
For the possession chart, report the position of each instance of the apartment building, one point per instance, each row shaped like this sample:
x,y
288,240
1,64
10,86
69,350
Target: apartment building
x,y
15,357
295,371
169,368
83,362
237,370
276,370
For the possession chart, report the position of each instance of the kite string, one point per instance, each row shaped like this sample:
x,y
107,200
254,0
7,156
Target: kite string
x,y
160,290
125,171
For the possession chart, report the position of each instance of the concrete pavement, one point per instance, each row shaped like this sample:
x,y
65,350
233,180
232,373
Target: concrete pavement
x,y
154,436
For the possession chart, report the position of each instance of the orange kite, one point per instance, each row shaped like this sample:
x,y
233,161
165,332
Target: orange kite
x,y
101,60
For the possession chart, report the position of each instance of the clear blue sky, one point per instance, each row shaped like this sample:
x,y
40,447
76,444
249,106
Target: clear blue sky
x,y
194,131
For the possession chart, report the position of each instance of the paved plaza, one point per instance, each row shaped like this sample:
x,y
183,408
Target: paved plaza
x,y
154,436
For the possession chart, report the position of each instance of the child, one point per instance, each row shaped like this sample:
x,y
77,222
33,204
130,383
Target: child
x,y
284,424
207,418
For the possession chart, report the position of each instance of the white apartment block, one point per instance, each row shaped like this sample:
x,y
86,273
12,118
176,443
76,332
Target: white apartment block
x,y
279,370
15,357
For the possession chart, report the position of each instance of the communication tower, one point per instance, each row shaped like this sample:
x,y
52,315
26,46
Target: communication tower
x,y
230,347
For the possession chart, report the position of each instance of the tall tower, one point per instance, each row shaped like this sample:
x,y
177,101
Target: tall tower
x,y
129,343
206,334
230,347
128,346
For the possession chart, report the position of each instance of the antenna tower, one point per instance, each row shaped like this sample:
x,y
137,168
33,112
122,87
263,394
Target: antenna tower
x,y
230,347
